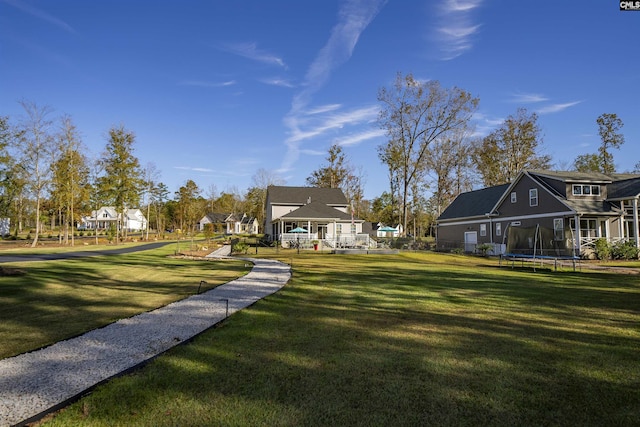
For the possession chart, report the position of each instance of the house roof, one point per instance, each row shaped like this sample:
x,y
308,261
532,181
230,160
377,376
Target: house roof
x,y
626,189
474,203
592,207
573,176
301,195
247,219
217,218
318,210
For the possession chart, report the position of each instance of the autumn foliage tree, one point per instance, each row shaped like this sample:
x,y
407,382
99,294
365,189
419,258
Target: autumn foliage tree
x,y
609,126
414,114
513,147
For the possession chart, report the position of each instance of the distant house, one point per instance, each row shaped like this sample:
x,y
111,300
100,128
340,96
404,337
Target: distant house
x,y
107,216
5,225
553,213
217,220
322,212
230,223
245,224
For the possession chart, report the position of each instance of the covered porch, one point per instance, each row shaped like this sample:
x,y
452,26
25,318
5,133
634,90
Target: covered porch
x,y
328,234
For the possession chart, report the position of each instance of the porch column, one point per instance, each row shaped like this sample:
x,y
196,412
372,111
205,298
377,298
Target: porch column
x,y
308,229
576,244
621,226
636,232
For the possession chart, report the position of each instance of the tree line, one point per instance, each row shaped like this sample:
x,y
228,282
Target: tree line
x,y
47,181
431,155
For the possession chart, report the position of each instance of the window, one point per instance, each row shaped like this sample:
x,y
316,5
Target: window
x,y
533,197
585,190
483,229
558,229
498,229
353,228
588,228
338,228
514,197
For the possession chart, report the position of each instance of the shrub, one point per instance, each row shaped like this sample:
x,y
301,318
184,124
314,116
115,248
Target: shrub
x,y
484,248
624,250
240,247
602,249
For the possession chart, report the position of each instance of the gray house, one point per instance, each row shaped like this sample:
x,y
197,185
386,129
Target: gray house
x,y
553,213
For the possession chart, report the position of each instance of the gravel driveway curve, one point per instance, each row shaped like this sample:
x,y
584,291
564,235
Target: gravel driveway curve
x,y
33,384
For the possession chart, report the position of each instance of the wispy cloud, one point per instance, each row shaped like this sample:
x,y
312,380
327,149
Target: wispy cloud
x,y
353,18
319,124
40,14
278,82
484,124
251,51
202,83
456,28
359,137
527,98
555,108
193,169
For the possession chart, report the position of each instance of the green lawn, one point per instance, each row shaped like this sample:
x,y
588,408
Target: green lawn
x,y
412,339
55,300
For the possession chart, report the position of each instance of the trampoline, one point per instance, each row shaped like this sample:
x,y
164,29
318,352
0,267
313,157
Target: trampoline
x,y
539,244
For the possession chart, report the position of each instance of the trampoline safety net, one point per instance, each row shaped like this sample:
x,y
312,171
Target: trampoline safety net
x,y
539,242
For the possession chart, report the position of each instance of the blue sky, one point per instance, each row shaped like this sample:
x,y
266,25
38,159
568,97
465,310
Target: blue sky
x,y
215,90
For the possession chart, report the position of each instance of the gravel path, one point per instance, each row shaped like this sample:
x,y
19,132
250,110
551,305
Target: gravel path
x,y
33,384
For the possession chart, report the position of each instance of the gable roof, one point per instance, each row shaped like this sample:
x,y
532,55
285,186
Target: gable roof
x,y
301,195
626,189
216,218
318,210
474,203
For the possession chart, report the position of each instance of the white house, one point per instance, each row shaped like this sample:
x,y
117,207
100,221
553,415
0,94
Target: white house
x,y
323,214
106,216
230,223
385,231
5,224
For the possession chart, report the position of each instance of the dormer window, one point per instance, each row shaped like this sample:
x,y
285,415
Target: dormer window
x,y
586,190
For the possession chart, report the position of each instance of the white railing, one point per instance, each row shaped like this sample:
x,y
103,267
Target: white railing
x,y
589,242
305,240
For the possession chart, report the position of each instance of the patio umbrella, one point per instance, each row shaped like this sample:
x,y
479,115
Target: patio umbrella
x,y
387,229
298,230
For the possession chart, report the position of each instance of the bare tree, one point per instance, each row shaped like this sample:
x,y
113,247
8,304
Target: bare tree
x,y
35,148
415,114
257,194
449,165
151,175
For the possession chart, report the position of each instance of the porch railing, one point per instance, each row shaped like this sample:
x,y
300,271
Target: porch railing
x,y
345,240
590,242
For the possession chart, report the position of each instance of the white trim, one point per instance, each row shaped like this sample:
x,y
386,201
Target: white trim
x,y
512,218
